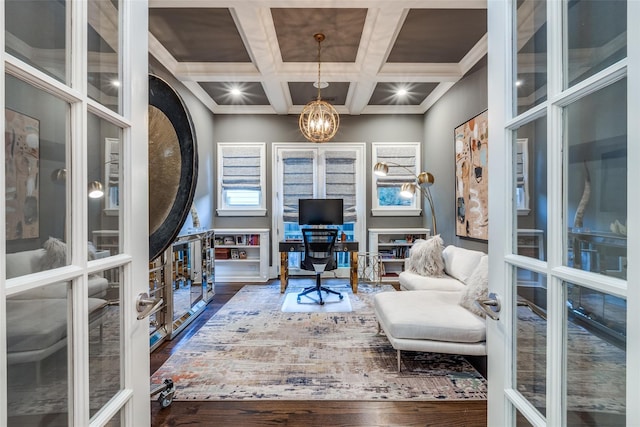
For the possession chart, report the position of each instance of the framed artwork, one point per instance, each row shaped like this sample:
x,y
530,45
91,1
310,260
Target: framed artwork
x,y
472,178
112,175
22,170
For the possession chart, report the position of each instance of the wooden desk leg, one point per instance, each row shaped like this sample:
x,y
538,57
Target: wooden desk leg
x,y
284,271
354,272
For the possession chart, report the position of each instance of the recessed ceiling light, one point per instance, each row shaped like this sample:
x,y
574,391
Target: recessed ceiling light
x,y
401,92
236,92
519,82
115,83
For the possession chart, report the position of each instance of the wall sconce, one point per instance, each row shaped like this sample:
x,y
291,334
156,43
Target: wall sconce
x,y
423,181
96,190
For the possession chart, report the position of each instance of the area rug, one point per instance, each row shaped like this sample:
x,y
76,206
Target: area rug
x,y
250,349
309,304
596,369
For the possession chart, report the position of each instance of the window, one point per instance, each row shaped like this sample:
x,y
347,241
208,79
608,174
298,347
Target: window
x,y
332,171
241,175
522,176
403,160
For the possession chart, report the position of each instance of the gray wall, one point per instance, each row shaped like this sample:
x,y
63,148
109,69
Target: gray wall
x,y
435,130
270,129
464,100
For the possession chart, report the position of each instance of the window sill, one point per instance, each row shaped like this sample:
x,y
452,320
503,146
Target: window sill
x,y
241,212
396,212
523,212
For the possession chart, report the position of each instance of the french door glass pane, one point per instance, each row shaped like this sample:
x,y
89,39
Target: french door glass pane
x,y
530,188
103,76
103,157
105,340
531,338
596,37
596,188
36,179
530,82
521,421
38,374
36,33
595,357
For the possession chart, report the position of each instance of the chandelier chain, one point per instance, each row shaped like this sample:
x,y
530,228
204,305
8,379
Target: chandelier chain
x,y
319,81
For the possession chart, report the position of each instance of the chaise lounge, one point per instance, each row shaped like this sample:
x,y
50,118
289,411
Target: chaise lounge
x,y
438,313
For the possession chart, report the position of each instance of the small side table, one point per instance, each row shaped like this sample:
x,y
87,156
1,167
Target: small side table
x,y
370,267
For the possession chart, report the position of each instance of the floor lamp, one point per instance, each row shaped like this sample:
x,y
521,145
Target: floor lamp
x,y
422,182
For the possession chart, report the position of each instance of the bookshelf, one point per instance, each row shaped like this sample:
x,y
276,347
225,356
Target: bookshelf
x,y
392,246
241,255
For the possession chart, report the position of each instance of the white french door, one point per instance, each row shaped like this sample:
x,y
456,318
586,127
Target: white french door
x,y
329,170
74,86
565,349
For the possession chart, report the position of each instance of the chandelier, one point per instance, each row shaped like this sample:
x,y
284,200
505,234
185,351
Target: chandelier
x,y
319,120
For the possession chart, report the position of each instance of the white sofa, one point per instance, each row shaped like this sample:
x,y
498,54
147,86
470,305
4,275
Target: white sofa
x,y
427,315
32,337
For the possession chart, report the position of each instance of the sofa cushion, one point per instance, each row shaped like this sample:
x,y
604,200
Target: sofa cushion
x,y
459,262
415,282
24,262
477,287
97,288
428,315
425,257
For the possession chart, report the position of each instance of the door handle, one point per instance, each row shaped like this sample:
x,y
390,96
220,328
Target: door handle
x,y
147,306
491,306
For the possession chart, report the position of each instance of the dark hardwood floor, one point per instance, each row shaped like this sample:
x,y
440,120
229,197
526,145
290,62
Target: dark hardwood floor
x,y
301,413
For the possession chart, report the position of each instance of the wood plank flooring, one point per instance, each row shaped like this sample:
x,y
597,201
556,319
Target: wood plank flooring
x,y
302,413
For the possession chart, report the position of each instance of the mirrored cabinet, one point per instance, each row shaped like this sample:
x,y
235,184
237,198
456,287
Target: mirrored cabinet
x,y
183,276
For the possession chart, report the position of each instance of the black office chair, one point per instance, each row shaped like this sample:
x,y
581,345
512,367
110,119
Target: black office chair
x,y
319,257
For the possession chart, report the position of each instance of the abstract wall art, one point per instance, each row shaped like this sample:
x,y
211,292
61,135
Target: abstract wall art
x,y
472,178
22,167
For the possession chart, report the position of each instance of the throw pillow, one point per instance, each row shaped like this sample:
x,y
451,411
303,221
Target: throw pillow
x,y
55,255
91,251
425,257
477,287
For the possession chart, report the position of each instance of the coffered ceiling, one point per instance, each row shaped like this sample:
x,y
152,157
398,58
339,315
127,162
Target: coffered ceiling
x,y
267,51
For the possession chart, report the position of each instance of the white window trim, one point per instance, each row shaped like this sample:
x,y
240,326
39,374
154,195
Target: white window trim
x,y
523,148
222,209
415,209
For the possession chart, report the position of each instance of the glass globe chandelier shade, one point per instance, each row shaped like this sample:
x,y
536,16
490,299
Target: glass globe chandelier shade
x,y
319,120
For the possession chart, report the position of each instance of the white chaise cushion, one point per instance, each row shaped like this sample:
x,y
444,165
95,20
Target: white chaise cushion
x,y
415,282
459,262
428,315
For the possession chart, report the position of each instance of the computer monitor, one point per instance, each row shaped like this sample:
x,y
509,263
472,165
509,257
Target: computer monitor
x,y
320,212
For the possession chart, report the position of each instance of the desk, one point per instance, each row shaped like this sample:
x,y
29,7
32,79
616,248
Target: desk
x,y
298,246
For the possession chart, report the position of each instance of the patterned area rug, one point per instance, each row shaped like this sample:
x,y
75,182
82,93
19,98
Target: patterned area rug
x,y
250,349
596,369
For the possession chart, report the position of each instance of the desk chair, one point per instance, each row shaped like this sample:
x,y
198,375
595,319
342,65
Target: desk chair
x,y
319,257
